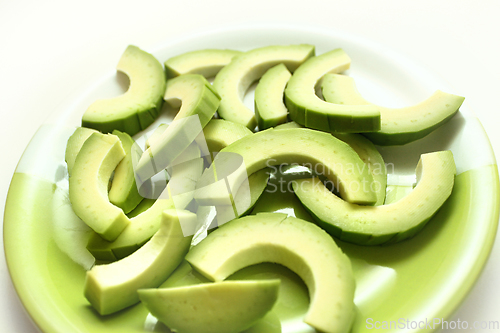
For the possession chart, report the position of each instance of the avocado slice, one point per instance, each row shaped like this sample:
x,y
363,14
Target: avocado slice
x,y
198,103
307,109
336,159
75,143
112,287
220,133
220,307
88,185
296,244
140,105
270,109
394,222
234,79
398,125
204,62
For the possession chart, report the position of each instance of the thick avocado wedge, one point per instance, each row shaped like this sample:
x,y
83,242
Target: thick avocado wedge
x,y
75,143
320,151
112,287
198,103
387,223
220,133
220,307
296,244
88,185
204,62
123,192
140,105
307,109
234,79
270,109
398,125
178,194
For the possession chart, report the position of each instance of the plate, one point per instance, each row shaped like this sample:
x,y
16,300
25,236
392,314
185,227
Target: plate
x,y
408,286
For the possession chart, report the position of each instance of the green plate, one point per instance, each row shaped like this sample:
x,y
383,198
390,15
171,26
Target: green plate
x,y
417,280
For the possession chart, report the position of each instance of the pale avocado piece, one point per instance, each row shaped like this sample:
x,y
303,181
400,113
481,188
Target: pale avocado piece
x,y
398,125
156,134
396,192
394,222
113,287
75,143
123,192
270,109
336,159
220,133
307,109
234,79
140,105
206,62
88,185
220,307
291,124
294,243
178,194
198,103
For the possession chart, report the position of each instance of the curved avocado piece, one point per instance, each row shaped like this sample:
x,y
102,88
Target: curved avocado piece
x,y
220,307
270,109
398,125
178,194
234,79
307,109
198,103
387,223
220,133
204,62
296,244
75,143
112,287
88,185
338,162
123,192
140,105
290,124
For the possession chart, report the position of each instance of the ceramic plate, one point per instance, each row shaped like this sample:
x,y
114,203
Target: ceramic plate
x,y
420,279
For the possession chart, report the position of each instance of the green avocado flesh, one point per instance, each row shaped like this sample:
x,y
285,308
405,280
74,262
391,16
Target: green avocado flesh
x,y
204,62
75,143
270,109
398,126
234,79
220,307
322,152
113,287
394,222
294,243
220,133
140,105
307,109
88,185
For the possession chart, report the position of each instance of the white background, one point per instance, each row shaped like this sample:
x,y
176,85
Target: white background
x,y
50,49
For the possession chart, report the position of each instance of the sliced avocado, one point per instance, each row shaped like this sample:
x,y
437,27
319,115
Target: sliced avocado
x,y
291,124
88,185
270,109
394,222
221,307
155,135
294,243
140,105
220,133
337,160
143,206
204,62
234,79
307,109
112,287
123,192
398,125
75,143
198,103
396,192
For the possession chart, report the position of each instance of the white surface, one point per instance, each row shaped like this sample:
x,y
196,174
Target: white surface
x,y
49,50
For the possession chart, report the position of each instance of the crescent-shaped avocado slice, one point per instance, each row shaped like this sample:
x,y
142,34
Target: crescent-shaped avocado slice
x,y
387,223
220,307
234,79
398,125
140,105
220,133
75,143
204,62
112,287
296,244
307,109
